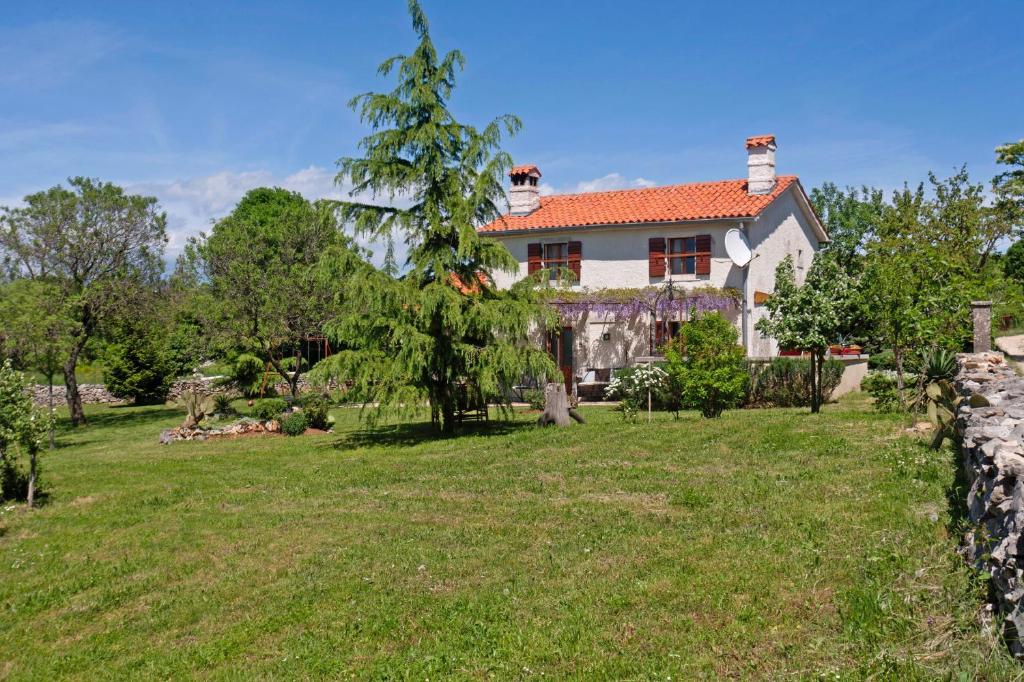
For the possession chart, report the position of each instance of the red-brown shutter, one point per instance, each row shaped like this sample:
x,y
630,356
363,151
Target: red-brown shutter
x,y
576,259
703,254
533,258
656,256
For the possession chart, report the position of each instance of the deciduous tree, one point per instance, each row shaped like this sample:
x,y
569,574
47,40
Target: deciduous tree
x,y
98,245
260,264
809,316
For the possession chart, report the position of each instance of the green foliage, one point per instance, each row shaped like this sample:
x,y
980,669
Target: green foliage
x,y
938,363
634,386
98,247
809,316
247,375
268,408
787,382
222,404
295,424
138,366
21,426
882,385
712,376
1013,261
262,267
442,327
942,404
317,409
534,398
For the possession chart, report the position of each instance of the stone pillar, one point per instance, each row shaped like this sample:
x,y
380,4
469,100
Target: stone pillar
x,y
981,316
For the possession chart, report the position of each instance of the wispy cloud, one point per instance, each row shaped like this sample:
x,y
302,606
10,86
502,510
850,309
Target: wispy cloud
x,y
601,184
194,204
45,54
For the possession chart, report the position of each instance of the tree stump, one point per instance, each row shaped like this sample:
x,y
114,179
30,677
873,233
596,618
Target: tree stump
x,y
556,407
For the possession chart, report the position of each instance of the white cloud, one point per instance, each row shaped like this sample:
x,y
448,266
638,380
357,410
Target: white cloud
x,y
194,204
601,184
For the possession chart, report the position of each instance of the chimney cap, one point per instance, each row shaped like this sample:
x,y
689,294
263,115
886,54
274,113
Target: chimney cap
x,y
760,141
525,169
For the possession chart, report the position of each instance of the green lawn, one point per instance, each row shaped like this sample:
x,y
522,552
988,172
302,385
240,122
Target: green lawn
x,y
765,544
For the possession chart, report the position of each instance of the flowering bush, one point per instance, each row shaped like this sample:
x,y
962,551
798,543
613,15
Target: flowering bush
x,y
632,387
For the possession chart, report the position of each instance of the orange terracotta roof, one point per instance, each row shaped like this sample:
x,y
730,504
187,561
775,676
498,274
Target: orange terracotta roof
x,y
465,289
760,141
695,201
527,168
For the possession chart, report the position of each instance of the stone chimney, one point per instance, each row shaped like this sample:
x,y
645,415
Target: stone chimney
x,y
760,164
524,197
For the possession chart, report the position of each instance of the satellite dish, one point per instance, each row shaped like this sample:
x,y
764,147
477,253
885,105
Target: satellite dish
x,y
738,248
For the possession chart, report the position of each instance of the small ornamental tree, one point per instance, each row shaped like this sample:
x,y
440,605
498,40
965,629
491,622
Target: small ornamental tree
x,y
15,408
441,332
137,366
708,372
808,317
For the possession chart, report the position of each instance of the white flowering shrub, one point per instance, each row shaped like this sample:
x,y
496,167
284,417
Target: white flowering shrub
x,y
631,386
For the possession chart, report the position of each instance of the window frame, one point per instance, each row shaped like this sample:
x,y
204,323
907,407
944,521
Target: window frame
x,y
555,266
683,257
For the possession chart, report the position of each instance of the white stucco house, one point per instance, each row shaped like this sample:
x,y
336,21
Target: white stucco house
x,y
644,239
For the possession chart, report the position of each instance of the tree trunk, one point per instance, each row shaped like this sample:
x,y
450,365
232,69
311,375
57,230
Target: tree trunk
x,y
897,355
53,422
815,388
71,388
32,478
818,388
556,407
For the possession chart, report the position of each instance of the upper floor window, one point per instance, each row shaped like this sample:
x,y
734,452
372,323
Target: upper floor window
x,y
683,255
556,260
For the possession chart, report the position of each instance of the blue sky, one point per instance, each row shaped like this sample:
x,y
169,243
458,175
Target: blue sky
x,y
197,102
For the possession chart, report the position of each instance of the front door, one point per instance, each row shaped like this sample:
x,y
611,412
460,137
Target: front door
x,y
560,348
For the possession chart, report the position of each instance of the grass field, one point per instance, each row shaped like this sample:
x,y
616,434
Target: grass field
x,y
766,544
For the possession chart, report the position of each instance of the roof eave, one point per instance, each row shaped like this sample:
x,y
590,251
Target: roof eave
x,y
563,228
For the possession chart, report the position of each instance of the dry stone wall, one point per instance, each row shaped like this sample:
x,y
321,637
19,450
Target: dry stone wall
x,y
990,423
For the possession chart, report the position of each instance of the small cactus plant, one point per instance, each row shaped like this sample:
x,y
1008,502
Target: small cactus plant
x,y
943,403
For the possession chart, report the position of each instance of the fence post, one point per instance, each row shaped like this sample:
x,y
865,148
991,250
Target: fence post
x,y
981,316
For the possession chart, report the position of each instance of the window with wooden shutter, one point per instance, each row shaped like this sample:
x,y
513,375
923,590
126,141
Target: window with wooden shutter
x,y
556,260
689,255
656,257
576,259
703,254
533,258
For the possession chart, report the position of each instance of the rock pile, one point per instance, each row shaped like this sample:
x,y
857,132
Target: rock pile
x,y
242,427
992,446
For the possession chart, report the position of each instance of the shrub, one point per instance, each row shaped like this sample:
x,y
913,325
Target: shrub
x,y
294,424
938,364
222,404
881,385
786,382
247,375
317,409
269,408
138,368
883,359
712,376
631,386
534,398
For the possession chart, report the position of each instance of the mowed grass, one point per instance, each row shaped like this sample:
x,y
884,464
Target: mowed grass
x,y
765,544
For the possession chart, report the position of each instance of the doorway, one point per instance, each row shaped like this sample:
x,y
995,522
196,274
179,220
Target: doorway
x,y
560,348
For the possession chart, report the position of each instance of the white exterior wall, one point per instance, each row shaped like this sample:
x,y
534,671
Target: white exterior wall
x,y
782,229
617,257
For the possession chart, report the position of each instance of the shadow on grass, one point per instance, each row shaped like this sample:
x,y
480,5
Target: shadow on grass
x,y
125,416
409,434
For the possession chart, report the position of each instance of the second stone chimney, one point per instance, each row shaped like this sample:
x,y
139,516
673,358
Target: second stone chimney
x,y
524,197
760,164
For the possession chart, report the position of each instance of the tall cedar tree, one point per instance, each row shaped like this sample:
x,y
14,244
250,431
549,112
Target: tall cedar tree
x,y
441,331
100,248
260,265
